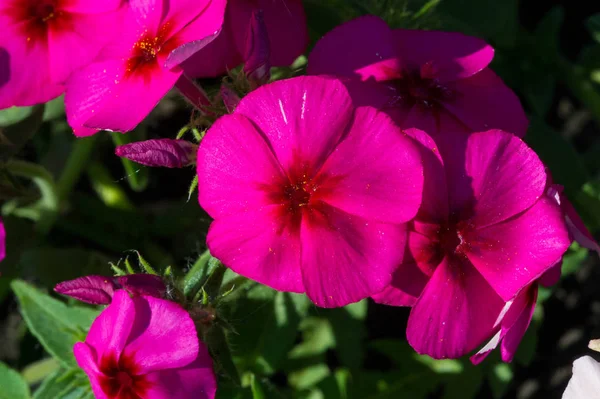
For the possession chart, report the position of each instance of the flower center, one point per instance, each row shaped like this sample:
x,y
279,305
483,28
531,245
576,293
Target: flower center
x,y
420,86
124,379
450,239
143,56
298,195
45,11
119,378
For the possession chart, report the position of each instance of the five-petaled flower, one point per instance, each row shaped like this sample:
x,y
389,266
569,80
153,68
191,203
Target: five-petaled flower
x,y
485,231
130,76
308,193
145,347
417,75
45,41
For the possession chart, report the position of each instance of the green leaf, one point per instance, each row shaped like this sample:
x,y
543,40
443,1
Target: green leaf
x,y
12,385
465,385
350,332
22,125
36,372
55,325
308,377
65,384
499,379
593,25
257,390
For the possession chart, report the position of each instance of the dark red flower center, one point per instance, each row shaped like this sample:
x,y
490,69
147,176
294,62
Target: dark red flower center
x,y
298,194
143,59
120,380
419,86
452,239
34,18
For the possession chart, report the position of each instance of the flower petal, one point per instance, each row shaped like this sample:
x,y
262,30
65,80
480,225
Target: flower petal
x,y
302,118
506,176
585,382
346,258
90,6
363,47
148,13
237,170
455,313
261,244
516,331
408,283
110,331
163,336
384,181
196,380
97,290
86,359
484,102
512,254
452,55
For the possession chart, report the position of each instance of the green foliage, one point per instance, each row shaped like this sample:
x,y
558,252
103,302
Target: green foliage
x,y
12,385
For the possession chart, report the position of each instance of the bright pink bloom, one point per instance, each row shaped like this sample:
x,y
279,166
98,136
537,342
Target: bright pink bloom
x,y
167,153
485,231
145,347
99,290
46,41
129,77
308,193
2,241
417,75
285,24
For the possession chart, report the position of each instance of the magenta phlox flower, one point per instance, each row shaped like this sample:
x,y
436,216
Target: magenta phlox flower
x,y
145,347
285,25
99,290
308,193
416,75
45,41
166,153
129,77
485,231
2,241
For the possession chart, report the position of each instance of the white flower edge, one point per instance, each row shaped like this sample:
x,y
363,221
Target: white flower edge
x,y
585,383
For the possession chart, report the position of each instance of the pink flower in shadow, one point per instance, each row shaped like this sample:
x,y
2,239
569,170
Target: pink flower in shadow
x,y
145,347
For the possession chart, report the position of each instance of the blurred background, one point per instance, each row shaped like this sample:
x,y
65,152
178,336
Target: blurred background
x,y
71,206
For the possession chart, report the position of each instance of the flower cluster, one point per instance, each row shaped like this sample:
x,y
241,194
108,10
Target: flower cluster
x,y
394,171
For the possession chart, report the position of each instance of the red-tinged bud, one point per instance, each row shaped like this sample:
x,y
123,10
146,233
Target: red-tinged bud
x,y
257,65
167,153
230,98
99,290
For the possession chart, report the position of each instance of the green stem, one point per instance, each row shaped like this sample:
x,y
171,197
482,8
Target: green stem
x,y
75,166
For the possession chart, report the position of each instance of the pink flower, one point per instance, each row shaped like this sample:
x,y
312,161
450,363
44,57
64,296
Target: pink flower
x,y
99,290
485,231
308,193
47,40
145,347
516,319
417,75
129,77
285,24
2,241
167,153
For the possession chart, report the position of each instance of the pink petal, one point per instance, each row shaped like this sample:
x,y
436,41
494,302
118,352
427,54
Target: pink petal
x,y
552,275
110,331
260,244
5,71
91,6
236,168
424,252
122,101
286,27
506,176
163,336
452,55
87,360
196,380
455,313
363,47
25,86
97,290
216,58
387,167
2,241
484,102
346,258
149,14
303,118
515,333
195,30
408,283
512,254
576,226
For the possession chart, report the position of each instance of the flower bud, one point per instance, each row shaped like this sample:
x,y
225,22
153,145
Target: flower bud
x,y
167,153
257,65
229,97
